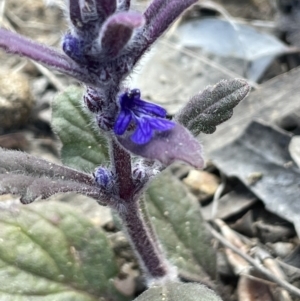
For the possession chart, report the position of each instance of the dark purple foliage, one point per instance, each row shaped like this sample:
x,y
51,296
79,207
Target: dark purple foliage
x,y
34,178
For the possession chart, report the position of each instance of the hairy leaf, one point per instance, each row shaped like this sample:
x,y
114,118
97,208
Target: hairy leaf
x,y
180,227
160,14
49,251
168,146
213,106
35,178
83,146
105,7
14,43
175,291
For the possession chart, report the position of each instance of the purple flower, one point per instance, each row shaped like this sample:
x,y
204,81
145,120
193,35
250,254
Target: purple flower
x,y
147,117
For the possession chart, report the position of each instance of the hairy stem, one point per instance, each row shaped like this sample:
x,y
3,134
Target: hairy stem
x,y
146,218
141,236
121,162
142,242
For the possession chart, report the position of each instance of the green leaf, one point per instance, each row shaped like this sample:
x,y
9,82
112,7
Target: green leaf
x,y
180,227
206,110
176,291
49,251
83,146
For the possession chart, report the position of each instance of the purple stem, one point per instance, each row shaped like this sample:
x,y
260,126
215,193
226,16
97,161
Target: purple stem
x,y
17,44
121,162
142,241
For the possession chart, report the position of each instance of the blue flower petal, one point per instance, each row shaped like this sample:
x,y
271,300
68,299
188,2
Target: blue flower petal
x,y
145,107
143,132
125,101
122,121
146,116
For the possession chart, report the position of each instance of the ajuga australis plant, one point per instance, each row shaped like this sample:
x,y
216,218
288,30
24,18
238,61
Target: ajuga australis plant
x,y
104,42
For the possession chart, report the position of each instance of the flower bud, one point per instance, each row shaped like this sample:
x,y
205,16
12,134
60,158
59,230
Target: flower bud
x,y
73,48
105,179
93,100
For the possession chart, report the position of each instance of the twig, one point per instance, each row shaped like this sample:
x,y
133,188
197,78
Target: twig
x,y
2,10
226,15
46,72
217,196
22,24
256,23
19,66
288,266
260,280
292,289
50,76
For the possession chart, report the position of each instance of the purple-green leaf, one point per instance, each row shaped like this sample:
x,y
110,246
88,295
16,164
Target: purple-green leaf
x,y
167,147
17,44
161,14
34,178
213,106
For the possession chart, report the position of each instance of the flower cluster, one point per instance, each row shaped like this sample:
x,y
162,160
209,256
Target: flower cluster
x,y
107,38
104,42
100,35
